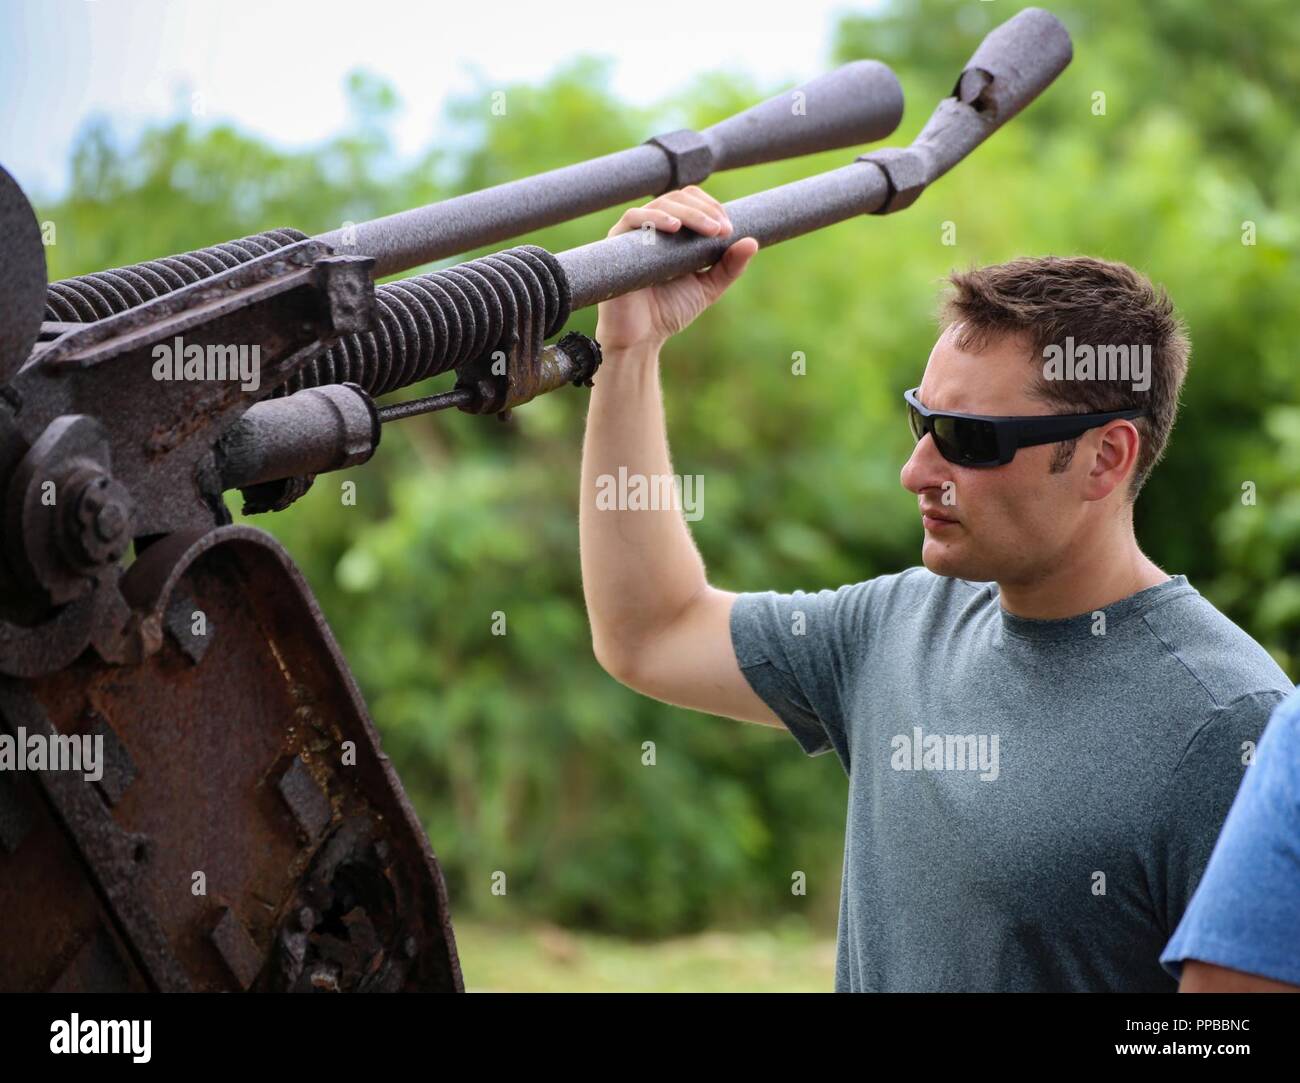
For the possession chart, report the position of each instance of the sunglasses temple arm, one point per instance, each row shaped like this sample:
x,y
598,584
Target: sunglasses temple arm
x,y
1052,429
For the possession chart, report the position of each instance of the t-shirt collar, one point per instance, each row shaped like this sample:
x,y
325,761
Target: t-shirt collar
x,y
1084,623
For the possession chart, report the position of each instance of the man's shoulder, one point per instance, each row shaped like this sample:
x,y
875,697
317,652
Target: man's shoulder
x,y
918,583
913,590
1280,746
1226,664
912,596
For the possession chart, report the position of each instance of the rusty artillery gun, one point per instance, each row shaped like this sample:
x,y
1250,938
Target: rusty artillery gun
x,y
243,829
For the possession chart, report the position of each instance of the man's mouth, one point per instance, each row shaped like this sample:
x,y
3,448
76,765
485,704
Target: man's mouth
x,y
934,521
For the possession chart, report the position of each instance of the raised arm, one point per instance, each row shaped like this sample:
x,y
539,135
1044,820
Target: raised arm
x,y
656,623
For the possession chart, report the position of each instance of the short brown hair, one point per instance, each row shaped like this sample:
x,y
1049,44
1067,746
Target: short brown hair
x,y
1049,299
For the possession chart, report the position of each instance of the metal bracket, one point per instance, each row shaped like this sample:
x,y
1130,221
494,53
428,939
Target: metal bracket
x,y
905,171
689,156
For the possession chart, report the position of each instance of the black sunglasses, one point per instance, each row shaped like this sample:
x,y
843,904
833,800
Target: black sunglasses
x,y
976,440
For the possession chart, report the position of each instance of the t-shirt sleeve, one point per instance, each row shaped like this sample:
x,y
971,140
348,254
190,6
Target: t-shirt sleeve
x,y
1198,796
798,651
1245,914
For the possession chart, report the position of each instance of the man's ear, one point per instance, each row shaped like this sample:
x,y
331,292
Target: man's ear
x,y
1114,459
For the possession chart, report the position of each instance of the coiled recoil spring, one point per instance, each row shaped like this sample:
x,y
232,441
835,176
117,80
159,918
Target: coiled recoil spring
x,y
105,293
485,318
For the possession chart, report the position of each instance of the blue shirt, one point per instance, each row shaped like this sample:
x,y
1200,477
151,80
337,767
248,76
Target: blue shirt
x,y
1245,913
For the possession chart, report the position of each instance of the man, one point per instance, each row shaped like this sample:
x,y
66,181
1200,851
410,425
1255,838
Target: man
x,y
1042,730
1241,931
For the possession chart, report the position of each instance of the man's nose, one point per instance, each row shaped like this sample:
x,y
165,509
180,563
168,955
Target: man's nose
x,y
925,469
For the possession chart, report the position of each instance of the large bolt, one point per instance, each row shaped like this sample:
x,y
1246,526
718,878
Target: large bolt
x,y
101,529
110,522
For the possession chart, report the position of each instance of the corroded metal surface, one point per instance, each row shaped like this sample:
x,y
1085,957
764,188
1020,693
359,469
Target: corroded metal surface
x,y
251,771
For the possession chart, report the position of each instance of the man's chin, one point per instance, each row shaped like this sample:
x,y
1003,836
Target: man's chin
x,y
945,558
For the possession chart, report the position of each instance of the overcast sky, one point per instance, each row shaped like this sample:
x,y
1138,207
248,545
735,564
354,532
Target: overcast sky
x,y
276,67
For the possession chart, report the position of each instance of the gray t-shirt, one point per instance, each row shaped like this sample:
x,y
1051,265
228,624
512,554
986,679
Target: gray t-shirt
x,y
1031,802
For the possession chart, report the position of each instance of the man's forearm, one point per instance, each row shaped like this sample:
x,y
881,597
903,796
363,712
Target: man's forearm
x,y
639,567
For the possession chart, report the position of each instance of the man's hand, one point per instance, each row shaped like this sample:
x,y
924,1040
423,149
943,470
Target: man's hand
x,y
648,317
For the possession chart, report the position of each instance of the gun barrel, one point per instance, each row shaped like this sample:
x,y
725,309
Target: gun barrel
x,y
630,261
1012,65
857,103
456,317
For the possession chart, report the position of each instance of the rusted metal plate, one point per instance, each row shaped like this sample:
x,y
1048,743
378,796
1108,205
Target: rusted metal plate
x,y
237,949
242,811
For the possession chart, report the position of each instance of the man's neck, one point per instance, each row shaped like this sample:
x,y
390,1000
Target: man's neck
x,y
1096,577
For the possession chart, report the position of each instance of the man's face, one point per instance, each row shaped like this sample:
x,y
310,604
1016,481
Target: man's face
x,y
1009,523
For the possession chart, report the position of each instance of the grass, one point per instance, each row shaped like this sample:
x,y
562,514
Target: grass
x,y
544,958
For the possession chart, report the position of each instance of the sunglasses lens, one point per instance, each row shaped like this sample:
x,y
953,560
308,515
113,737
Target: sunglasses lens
x,y
915,422
966,442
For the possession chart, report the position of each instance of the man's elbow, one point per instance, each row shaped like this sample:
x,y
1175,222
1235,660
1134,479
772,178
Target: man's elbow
x,y
618,660
1202,977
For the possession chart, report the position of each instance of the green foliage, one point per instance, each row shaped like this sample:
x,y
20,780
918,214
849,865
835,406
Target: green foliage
x,y
519,752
